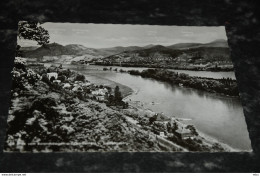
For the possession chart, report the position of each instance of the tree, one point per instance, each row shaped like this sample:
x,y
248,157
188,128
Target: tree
x,y
152,119
62,78
33,31
118,96
52,79
80,78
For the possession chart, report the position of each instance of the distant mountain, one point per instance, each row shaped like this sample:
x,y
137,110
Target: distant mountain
x,y
75,47
190,51
82,50
155,49
185,45
29,48
148,46
53,49
117,49
217,43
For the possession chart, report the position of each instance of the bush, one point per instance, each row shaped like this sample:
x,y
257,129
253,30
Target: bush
x,y
80,78
43,104
66,73
52,79
62,78
134,72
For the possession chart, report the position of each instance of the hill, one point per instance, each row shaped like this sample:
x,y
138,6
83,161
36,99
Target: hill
x,y
181,56
117,50
221,43
29,48
53,49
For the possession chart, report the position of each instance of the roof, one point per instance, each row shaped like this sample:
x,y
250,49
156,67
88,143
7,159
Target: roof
x,y
183,131
67,85
162,117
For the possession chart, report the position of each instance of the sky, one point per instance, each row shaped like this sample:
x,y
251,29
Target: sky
x,y
111,35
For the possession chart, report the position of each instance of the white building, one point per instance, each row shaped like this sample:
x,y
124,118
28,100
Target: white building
x,y
57,81
53,74
67,85
100,92
100,98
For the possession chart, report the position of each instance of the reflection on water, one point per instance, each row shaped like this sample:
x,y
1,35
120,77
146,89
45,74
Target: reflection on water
x,y
216,115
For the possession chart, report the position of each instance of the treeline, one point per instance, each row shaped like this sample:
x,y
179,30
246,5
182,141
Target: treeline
x,y
225,86
167,66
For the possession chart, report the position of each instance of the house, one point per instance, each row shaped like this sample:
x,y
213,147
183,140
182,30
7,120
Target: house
x,y
183,133
87,84
67,85
77,88
52,74
57,81
161,117
100,92
100,98
162,134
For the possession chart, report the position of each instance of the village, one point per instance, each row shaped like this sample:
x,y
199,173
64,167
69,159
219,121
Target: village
x,y
169,128
75,101
101,94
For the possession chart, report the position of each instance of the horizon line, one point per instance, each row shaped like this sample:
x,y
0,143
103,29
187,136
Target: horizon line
x,y
125,46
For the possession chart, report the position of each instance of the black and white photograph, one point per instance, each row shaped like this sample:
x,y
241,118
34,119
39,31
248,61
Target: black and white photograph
x,y
124,88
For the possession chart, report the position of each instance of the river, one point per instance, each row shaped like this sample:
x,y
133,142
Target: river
x,y
218,116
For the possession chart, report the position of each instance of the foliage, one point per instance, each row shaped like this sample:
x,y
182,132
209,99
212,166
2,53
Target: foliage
x,y
152,119
62,78
52,79
118,96
225,86
19,63
116,99
80,78
22,77
192,129
45,79
68,73
33,31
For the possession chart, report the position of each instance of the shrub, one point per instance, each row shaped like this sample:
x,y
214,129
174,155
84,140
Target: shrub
x,y
80,78
43,104
62,78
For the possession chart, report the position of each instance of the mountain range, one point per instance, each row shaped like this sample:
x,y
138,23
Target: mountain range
x,y
217,48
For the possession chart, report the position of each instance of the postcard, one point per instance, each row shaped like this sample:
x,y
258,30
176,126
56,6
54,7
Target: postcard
x,y
124,88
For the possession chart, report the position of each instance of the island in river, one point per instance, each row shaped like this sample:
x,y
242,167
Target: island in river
x,y
56,109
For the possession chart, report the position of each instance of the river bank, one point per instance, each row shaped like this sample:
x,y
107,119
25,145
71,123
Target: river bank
x,y
146,91
193,68
228,125
226,86
205,139
46,117
64,116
